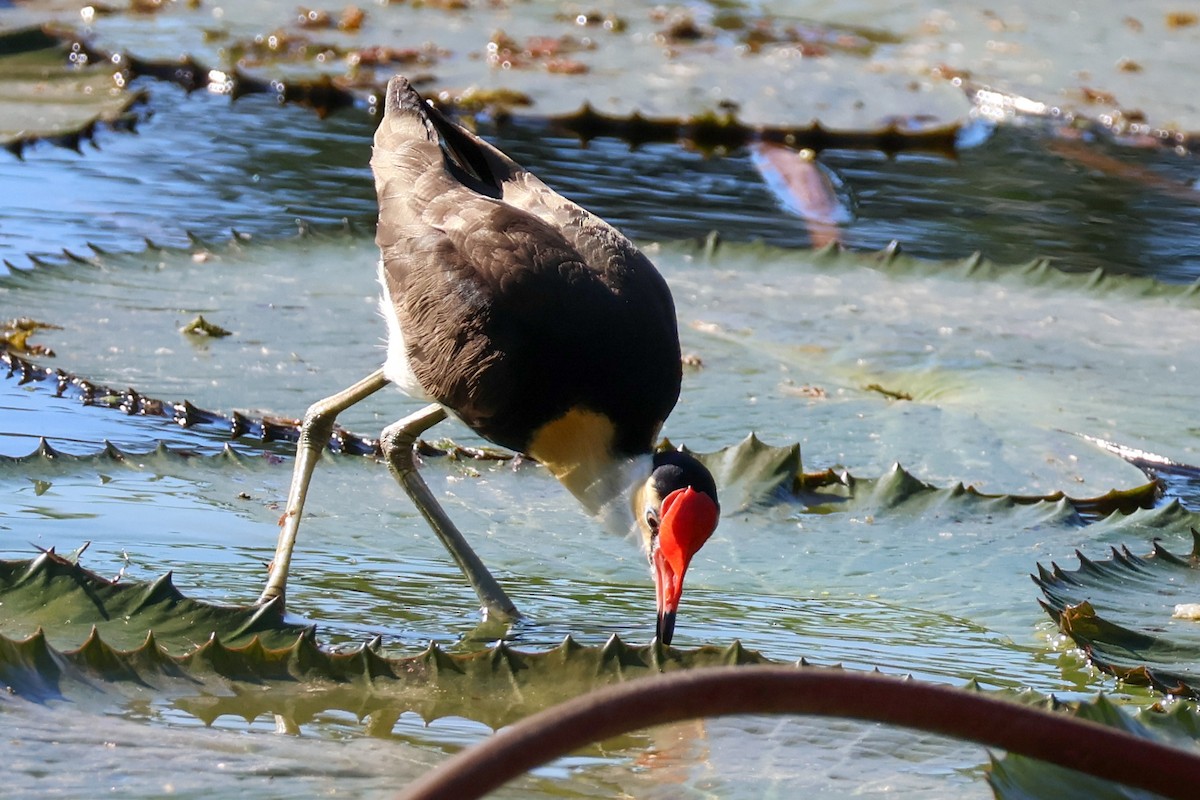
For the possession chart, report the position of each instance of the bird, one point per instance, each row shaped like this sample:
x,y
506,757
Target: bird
x,y
536,324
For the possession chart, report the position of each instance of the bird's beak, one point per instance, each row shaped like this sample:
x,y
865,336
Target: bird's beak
x,y
669,585
688,518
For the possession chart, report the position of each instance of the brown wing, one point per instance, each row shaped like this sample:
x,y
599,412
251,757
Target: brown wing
x,y
516,305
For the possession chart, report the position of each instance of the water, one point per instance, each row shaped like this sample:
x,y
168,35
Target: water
x,y
212,165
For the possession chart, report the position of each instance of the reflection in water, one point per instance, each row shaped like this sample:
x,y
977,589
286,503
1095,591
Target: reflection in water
x,y
738,756
806,188
1019,194
1012,198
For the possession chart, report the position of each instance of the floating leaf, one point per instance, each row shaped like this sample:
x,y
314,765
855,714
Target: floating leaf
x,y
48,92
178,646
1123,612
536,54
833,67
299,681
1015,777
273,294
752,472
1099,750
67,601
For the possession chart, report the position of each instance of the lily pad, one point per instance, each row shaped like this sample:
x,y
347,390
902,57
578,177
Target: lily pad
x,y
48,91
556,58
1016,777
917,569
1117,751
273,295
300,681
904,570
1125,613
59,596
848,67
981,355
184,645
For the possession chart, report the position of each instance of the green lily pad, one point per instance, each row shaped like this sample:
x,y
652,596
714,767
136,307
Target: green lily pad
x,y
908,571
1016,777
59,596
852,527
299,681
271,293
871,572
49,92
65,628
552,58
1133,615
852,68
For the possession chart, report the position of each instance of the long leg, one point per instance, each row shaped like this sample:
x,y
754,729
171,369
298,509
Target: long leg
x,y
397,441
314,438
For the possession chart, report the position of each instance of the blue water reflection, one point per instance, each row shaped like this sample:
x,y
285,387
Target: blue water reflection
x,y
205,164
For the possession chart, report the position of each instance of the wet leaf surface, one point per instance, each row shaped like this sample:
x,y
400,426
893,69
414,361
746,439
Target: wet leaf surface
x,y
46,93
1015,777
1131,614
296,683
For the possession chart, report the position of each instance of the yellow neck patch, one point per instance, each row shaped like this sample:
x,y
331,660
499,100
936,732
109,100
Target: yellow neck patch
x,y
577,447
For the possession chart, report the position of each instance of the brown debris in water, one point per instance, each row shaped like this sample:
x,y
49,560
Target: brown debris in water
x,y
1182,19
380,56
202,327
474,100
15,334
313,18
891,394
594,19
681,27
351,19
549,52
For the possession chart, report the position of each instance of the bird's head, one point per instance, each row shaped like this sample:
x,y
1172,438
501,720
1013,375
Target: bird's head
x,y
676,510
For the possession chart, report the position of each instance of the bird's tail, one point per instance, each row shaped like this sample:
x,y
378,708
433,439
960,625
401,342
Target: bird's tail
x,y
473,161
403,102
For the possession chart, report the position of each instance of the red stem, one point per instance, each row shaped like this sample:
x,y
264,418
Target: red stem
x,y
1057,738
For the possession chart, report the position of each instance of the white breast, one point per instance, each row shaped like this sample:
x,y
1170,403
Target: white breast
x,y
396,368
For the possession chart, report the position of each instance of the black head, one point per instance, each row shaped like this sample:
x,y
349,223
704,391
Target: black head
x,y
676,469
